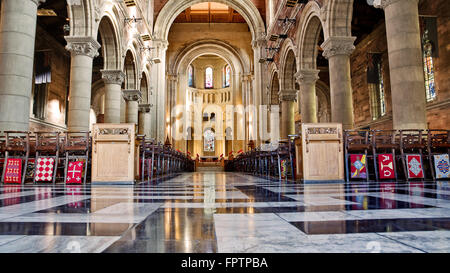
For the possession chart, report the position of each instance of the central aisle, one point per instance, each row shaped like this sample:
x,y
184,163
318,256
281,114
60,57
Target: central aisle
x,y
226,212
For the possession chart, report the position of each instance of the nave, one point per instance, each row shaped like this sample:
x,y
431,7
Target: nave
x,y
226,212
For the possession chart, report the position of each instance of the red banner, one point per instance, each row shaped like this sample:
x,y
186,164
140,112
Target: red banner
x,y
386,166
75,172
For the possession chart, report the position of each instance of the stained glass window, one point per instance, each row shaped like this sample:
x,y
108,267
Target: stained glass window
x,y
209,139
209,77
226,76
428,67
381,90
191,76
376,86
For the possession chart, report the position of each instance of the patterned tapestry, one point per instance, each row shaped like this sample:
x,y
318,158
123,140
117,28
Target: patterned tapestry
x,y
358,166
44,169
441,165
13,172
414,166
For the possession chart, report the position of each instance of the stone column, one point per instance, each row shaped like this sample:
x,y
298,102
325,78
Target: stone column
x,y
337,50
405,63
132,98
113,81
307,79
17,39
259,46
287,126
171,87
144,119
159,79
83,50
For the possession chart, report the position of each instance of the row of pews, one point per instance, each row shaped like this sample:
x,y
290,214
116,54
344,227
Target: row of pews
x,y
369,155
53,157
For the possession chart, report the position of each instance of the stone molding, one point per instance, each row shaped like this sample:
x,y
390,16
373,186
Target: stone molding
x,y
259,43
338,46
382,4
287,95
132,95
144,108
78,45
307,76
38,2
113,76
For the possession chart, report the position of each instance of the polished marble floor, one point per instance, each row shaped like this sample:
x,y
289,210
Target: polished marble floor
x,y
226,212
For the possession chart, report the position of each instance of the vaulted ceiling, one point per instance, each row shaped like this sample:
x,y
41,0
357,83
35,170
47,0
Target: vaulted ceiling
x,y
209,12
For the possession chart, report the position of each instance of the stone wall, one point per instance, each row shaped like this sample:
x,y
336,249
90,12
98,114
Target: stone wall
x,y
57,92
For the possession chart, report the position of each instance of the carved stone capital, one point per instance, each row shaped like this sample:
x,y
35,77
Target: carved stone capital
x,y
161,44
259,43
338,46
247,77
132,95
287,95
78,45
144,108
382,4
113,76
307,76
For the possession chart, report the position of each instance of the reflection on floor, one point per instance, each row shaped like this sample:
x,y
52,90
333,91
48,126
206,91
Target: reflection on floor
x,y
226,212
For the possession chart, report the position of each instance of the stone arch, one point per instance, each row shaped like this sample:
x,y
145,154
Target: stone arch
x,y
172,9
82,18
130,70
288,69
144,87
274,89
308,35
97,99
238,63
338,15
323,102
111,47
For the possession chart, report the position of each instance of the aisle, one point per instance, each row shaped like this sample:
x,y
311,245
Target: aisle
x,y
226,212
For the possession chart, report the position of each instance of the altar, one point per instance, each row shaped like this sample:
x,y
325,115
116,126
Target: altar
x,y
209,158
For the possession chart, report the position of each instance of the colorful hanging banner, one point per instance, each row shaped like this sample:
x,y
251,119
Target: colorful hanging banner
x,y
75,172
358,166
44,169
441,165
386,166
414,166
13,172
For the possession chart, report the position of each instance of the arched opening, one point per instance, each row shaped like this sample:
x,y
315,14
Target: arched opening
x,y
130,71
290,68
144,88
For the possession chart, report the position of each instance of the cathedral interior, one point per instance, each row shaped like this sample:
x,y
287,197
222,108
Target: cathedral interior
x,y
229,125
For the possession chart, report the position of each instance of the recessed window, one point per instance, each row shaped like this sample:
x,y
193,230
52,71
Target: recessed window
x,y
191,76
209,78
429,52
376,85
226,76
209,141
